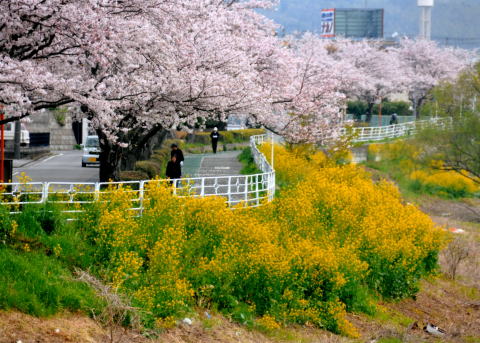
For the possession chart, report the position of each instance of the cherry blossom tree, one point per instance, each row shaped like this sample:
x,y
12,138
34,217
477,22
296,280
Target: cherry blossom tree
x,y
377,70
425,64
134,66
304,84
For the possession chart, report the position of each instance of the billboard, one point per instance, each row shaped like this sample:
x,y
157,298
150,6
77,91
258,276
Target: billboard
x,y
352,23
328,23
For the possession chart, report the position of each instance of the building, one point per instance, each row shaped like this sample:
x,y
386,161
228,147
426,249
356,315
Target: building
x,y
357,23
426,18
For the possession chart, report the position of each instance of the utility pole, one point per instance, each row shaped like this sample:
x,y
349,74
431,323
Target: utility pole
x,y
16,139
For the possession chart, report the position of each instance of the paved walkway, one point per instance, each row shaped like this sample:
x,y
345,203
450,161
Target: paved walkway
x,y
220,164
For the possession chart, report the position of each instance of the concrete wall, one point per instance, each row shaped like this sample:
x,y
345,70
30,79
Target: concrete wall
x,y
61,137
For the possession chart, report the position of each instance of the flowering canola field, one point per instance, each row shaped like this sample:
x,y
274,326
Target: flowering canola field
x,y
331,242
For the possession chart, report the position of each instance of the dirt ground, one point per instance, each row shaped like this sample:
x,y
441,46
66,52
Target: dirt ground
x,y
452,305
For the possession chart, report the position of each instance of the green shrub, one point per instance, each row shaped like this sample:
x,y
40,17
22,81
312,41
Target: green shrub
x,y
161,155
60,115
249,166
401,108
151,168
39,285
357,108
133,175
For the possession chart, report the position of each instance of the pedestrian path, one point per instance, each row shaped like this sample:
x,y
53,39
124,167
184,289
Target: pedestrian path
x,y
203,165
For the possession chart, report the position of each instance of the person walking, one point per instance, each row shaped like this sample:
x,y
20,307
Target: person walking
x,y
394,119
215,137
178,153
174,172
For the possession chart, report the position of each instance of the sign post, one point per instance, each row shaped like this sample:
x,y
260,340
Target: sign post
x,y
328,23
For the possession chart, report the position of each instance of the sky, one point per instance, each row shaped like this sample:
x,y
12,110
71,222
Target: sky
x,y
454,22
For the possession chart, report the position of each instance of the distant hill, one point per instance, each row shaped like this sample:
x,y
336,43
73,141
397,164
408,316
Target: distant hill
x,y
454,21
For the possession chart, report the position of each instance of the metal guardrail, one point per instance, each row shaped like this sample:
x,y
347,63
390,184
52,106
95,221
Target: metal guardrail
x,y
368,134
238,190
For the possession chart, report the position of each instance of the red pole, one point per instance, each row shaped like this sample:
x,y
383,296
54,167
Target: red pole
x,y
380,123
2,146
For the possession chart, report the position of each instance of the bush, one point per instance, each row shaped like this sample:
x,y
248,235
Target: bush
x,y
450,184
403,161
357,109
133,175
151,168
401,108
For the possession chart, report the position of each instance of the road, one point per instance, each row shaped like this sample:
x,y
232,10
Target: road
x,y
62,166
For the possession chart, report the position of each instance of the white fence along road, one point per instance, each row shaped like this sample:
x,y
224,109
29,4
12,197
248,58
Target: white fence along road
x,y
371,134
238,190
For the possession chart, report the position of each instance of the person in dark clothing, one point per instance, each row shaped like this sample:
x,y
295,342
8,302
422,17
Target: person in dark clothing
x,y
215,136
394,119
177,153
173,169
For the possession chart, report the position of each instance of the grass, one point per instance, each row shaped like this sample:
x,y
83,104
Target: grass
x,y
39,285
389,340
387,315
249,166
37,259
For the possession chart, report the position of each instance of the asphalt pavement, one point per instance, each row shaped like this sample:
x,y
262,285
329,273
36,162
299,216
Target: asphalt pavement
x,y
65,166
220,164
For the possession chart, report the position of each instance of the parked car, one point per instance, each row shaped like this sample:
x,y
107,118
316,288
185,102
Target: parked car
x,y
91,151
10,133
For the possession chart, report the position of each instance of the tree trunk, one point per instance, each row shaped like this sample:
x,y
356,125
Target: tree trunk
x,y
109,159
142,148
114,159
417,104
17,140
369,112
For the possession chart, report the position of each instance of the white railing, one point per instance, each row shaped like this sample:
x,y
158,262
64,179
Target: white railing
x,y
368,134
238,190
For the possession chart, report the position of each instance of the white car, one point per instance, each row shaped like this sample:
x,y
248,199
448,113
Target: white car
x,y
91,151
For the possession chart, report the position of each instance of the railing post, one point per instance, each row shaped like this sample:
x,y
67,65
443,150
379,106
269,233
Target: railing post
x,y
202,187
229,191
257,194
45,187
97,191
246,190
272,185
141,196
